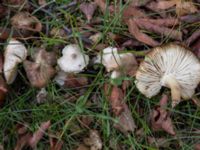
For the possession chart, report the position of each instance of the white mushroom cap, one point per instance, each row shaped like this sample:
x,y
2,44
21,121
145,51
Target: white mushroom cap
x,y
73,60
172,66
14,54
115,62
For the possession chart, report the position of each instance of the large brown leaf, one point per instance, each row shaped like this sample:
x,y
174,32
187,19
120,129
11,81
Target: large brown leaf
x,y
134,30
160,118
88,9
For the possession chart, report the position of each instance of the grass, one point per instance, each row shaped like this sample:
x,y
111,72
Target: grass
x,y
21,106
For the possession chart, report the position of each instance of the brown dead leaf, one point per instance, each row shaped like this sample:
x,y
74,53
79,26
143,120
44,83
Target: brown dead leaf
x,y
158,142
41,70
37,136
185,7
42,2
167,22
197,147
101,4
55,144
94,140
58,33
160,118
25,21
3,90
161,5
121,111
73,81
171,33
116,100
88,9
83,147
3,11
191,18
28,139
137,3
193,37
21,128
134,30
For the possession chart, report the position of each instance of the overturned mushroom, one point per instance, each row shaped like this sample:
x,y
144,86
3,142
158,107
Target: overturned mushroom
x,y
14,54
73,60
117,63
41,70
172,66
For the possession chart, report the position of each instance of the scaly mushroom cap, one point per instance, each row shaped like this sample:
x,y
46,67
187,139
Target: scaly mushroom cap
x,y
172,66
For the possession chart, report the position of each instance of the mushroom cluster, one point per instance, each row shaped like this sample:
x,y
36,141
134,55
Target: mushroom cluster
x,y
171,66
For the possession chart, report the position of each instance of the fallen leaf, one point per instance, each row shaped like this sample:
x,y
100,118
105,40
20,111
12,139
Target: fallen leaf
x,y
171,33
25,21
28,139
137,3
42,2
101,4
96,37
21,128
196,48
3,11
161,5
88,9
185,7
158,142
41,70
197,147
14,54
167,22
58,33
195,35
37,136
94,140
191,18
55,144
3,90
83,147
121,110
41,96
160,118
134,30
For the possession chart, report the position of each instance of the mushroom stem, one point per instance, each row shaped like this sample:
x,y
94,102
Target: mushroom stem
x,y
171,82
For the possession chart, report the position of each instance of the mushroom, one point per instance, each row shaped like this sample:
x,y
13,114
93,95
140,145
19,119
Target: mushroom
x,y
172,66
14,54
116,63
73,60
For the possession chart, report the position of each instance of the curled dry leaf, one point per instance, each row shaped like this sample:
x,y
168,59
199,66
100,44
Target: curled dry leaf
x,y
134,30
193,37
41,70
3,90
174,34
55,144
160,118
94,140
28,139
88,9
161,5
158,142
185,7
121,111
96,37
14,54
73,59
101,4
3,11
25,21
37,136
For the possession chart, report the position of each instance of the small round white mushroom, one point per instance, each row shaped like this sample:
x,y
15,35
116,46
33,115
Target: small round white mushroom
x,y
172,66
116,63
73,59
14,54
